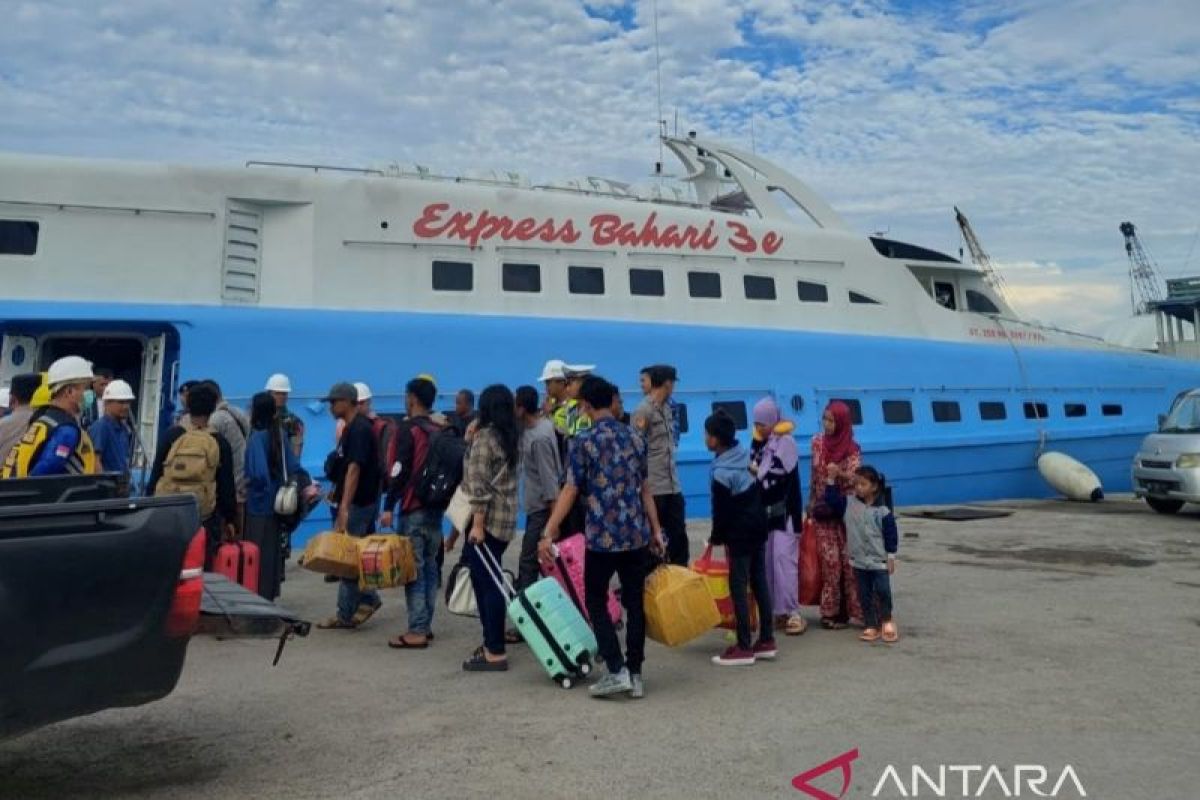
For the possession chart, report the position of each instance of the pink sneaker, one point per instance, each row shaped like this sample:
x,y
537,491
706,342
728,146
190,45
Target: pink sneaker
x,y
766,650
734,657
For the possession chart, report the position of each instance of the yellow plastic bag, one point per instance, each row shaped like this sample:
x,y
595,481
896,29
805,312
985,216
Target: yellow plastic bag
x,y
385,560
678,605
332,553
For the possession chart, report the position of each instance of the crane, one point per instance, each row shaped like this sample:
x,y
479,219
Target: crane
x,y
982,260
1143,275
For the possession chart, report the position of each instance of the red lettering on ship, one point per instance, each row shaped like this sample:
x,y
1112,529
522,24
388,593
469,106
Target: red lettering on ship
x,y
438,220
476,228
1000,333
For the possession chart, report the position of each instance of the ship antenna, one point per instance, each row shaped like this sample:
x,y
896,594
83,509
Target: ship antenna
x,y
662,122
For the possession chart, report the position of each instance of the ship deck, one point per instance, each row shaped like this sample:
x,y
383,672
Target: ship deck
x,y
1062,634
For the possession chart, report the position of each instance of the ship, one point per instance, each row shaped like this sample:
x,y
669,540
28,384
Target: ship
x,y
737,273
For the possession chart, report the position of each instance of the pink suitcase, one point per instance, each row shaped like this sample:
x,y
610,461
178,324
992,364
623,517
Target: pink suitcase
x,y
238,561
567,569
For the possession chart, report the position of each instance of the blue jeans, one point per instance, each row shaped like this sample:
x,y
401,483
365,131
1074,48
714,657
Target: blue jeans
x,y
424,529
874,595
360,522
492,603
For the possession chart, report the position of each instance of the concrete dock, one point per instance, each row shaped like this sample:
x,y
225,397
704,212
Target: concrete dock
x,y
1064,634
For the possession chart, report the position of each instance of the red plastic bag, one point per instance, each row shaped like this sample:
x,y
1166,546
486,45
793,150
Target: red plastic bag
x,y
810,566
716,577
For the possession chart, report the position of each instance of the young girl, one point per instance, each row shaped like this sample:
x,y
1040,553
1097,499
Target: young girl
x,y
871,540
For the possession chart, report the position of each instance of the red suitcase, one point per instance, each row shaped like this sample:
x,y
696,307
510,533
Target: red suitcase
x,y
567,569
238,561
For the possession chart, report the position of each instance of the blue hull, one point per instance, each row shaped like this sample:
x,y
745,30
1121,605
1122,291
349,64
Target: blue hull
x,y
926,461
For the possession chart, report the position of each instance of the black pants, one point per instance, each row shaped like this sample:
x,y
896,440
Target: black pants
x,y
874,595
630,568
750,572
528,570
673,519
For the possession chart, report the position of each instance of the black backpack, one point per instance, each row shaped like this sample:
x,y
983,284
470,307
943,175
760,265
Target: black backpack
x,y
443,468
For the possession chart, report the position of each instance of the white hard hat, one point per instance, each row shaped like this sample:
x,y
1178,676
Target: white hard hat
x,y
5,397
279,383
364,391
118,390
558,370
69,369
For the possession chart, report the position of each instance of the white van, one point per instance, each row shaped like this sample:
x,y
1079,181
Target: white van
x,y
1166,469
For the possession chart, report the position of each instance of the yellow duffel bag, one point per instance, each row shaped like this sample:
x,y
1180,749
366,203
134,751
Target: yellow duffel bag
x,y
678,605
332,553
384,561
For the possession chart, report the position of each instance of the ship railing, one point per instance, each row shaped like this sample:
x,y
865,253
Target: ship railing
x,y
316,167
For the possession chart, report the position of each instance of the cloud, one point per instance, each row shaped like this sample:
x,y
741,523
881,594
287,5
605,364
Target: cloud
x,y
1048,124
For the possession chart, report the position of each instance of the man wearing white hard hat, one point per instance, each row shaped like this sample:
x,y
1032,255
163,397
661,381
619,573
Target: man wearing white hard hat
x,y
54,443
112,434
280,387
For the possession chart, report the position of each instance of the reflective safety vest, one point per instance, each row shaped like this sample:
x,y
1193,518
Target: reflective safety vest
x,y
569,419
24,456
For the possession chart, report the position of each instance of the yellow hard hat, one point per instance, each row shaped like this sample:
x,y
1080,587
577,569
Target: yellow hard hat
x,y
41,396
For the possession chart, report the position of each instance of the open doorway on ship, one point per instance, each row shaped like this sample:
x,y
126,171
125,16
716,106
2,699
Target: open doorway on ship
x,y
146,359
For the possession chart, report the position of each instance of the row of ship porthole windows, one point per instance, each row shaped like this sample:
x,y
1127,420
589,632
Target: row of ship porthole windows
x,y
900,412
459,276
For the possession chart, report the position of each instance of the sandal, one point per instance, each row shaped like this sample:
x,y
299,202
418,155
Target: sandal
x,y
869,635
830,624
365,612
400,643
513,636
890,634
335,623
478,662
795,625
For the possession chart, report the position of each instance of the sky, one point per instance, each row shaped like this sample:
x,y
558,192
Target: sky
x,y
1047,123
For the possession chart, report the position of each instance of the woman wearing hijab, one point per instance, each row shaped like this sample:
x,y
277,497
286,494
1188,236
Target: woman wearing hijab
x,y
775,462
834,445
266,450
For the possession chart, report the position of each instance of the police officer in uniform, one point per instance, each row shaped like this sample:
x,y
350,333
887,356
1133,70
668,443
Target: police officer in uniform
x,y
54,443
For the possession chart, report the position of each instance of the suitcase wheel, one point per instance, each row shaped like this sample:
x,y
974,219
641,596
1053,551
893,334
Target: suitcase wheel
x,y
565,682
585,668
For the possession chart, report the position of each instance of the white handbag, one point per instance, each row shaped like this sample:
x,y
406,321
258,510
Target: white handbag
x,y
460,595
287,497
459,512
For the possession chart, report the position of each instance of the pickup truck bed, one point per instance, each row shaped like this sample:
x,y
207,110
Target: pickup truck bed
x,y
87,591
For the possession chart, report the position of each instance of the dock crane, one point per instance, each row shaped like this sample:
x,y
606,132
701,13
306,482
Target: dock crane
x,y
980,256
1143,276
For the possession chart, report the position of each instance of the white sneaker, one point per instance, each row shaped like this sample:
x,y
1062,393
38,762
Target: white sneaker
x,y
639,689
612,683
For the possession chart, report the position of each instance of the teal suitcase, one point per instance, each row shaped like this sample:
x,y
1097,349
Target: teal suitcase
x,y
556,632
553,627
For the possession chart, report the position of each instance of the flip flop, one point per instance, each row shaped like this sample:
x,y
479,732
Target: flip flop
x,y
400,643
365,612
335,623
513,636
869,635
795,625
890,634
832,624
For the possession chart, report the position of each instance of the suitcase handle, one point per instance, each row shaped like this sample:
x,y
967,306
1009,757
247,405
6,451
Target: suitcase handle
x,y
497,574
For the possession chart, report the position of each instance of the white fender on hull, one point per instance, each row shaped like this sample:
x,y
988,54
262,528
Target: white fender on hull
x,y
1069,477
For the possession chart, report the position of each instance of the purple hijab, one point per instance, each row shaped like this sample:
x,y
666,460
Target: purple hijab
x,y
780,442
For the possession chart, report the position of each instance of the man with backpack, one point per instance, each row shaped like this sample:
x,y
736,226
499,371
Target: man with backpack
x,y
426,469
194,459
382,428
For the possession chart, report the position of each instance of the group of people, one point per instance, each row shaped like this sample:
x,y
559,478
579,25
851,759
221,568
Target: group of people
x,y
581,463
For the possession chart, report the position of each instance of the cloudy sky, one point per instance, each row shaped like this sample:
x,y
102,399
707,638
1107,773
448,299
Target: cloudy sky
x,y
1048,123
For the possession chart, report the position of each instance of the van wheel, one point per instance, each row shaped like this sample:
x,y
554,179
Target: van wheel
x,y
1164,505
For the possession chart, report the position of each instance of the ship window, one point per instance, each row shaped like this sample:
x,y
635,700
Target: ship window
x,y
585,280
522,277
1112,410
855,297
812,292
946,411
855,409
943,294
453,276
991,411
1036,411
704,284
681,417
646,282
980,303
736,409
1075,409
18,237
759,287
897,412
